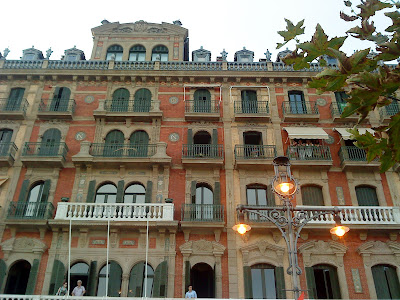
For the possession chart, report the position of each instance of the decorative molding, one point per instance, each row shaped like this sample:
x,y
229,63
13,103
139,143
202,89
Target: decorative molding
x,y
315,252
264,251
377,252
22,245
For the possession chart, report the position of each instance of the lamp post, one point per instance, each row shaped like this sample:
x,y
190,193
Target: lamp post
x,y
288,219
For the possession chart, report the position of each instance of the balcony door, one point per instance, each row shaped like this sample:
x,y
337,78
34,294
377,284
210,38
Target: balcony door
x,y
312,195
366,196
50,143
18,276
60,99
202,144
252,144
203,200
202,101
341,100
120,100
249,102
5,139
322,282
142,101
386,282
114,144
138,144
203,280
297,104
15,99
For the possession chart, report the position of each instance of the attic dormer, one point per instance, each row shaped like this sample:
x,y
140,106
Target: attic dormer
x,y
74,54
201,55
282,54
32,54
244,55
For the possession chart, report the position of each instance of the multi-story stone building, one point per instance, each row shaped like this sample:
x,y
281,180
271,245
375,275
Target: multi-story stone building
x,y
95,154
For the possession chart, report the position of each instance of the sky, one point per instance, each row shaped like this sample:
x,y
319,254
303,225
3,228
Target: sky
x,y
215,25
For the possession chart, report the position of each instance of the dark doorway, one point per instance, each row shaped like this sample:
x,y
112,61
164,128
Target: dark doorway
x,y
252,138
202,280
18,276
79,271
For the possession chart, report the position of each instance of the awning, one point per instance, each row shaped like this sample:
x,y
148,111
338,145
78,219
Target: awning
x,y
306,133
348,136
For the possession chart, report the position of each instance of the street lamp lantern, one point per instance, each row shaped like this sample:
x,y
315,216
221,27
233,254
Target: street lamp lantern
x,y
283,182
339,229
241,228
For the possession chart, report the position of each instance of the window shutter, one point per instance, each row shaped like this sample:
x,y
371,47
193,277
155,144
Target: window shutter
x,y
120,191
91,285
160,280
312,195
334,283
248,293
30,287
91,192
190,137
270,196
23,191
3,269
149,189
393,282
312,292
193,191
114,279
65,93
46,191
381,285
57,277
280,283
366,196
215,136
187,275
136,280
217,193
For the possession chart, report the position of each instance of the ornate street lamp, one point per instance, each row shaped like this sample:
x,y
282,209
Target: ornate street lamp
x,y
288,219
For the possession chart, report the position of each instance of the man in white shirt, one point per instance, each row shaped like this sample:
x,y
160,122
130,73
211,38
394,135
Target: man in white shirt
x,y
79,290
190,293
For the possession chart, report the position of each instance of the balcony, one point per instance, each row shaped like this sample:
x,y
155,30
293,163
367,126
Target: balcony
x,y
352,156
305,111
30,211
389,111
337,110
203,155
122,154
309,155
202,215
7,154
250,155
113,110
13,110
50,109
202,110
252,110
115,211
44,155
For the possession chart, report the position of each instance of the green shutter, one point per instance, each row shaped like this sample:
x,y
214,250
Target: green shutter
x,y
114,279
248,293
312,291
92,278
160,280
280,283
334,282
57,277
215,136
381,285
136,280
312,195
3,270
91,192
30,287
366,196
270,196
217,193
23,191
120,191
193,191
393,282
46,191
187,275
190,137
149,189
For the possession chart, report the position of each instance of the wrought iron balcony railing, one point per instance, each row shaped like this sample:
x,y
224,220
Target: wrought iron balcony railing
x,y
122,150
390,110
202,213
57,105
30,210
337,109
202,151
45,150
309,153
201,107
7,150
7,105
352,153
251,107
300,108
255,151
129,105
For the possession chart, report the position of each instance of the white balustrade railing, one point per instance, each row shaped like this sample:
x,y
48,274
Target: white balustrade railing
x,y
115,211
378,215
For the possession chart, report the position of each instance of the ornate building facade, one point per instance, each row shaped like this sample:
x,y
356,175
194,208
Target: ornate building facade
x,y
140,155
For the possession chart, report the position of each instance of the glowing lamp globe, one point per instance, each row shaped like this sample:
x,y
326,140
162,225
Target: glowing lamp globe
x,y
241,228
340,230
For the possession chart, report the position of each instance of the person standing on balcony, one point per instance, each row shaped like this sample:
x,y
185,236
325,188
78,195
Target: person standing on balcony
x,y
62,291
79,290
191,293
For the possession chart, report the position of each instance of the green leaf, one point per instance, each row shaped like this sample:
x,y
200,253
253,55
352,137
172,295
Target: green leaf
x,y
347,3
370,7
291,32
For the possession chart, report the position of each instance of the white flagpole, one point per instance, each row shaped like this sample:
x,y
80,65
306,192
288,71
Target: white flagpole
x,y
69,256
147,252
108,247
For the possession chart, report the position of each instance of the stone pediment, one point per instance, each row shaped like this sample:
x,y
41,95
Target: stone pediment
x,y
139,28
202,247
22,245
321,247
379,248
262,246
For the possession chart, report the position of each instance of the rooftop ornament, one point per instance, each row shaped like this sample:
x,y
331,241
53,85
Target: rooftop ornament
x,y
6,51
224,55
268,55
48,53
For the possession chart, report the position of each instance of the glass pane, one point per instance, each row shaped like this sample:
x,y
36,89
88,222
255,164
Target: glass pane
x,y
111,198
128,198
251,197
135,188
141,57
101,289
198,195
80,268
107,188
262,196
118,56
256,283
270,283
208,196
100,198
35,193
140,199
164,57
133,56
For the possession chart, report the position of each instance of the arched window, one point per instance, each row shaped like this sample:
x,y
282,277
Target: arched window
x,y
258,194
249,102
50,143
60,99
386,282
297,104
137,53
138,282
79,271
366,196
138,144
142,102
107,193
114,51
201,145
202,101
312,195
17,280
265,282
135,193
323,282
15,99
203,200
35,197
159,53
5,141
204,194
114,280
114,144
120,100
